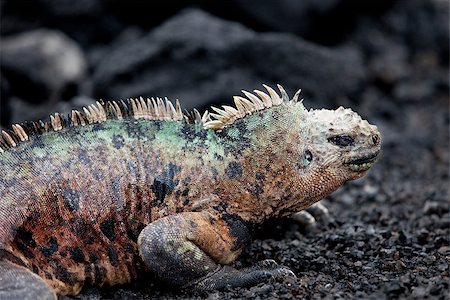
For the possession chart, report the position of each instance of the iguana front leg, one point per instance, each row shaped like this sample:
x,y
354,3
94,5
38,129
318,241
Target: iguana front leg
x,y
193,249
309,216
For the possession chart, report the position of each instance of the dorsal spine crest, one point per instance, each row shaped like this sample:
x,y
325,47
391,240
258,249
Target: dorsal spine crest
x,y
227,115
98,112
150,109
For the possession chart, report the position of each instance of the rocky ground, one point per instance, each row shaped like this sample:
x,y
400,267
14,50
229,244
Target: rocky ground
x,y
388,235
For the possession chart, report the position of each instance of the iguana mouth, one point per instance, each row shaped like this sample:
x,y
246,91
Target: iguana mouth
x,y
362,163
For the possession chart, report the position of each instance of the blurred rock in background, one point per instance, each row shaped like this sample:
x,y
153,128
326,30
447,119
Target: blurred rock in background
x,y
42,64
201,59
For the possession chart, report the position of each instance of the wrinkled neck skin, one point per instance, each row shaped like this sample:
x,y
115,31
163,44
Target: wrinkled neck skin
x,y
268,147
276,189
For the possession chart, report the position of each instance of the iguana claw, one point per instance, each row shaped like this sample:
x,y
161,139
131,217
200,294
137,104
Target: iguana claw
x,y
225,276
309,216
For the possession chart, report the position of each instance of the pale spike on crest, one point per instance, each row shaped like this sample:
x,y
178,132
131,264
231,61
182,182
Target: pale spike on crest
x,y
151,106
240,107
173,112
197,116
133,107
8,139
92,109
74,117
118,110
88,115
168,111
178,111
14,128
144,107
296,95
151,109
222,115
123,104
97,112
55,121
178,107
158,112
166,108
192,117
139,108
265,98
24,134
230,110
21,132
219,117
52,121
258,103
214,124
284,95
155,107
162,110
101,111
249,106
92,112
206,117
111,109
273,95
221,112
18,129
81,118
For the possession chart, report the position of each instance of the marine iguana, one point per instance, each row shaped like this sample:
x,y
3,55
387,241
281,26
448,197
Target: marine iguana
x,y
120,188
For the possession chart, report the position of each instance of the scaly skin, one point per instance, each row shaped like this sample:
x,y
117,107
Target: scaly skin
x,y
101,203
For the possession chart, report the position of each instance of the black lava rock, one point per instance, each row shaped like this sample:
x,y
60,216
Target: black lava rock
x,y
88,22
288,15
42,65
5,94
326,22
201,59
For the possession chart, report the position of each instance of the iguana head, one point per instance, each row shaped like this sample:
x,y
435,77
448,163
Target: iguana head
x,y
341,140
332,147
303,155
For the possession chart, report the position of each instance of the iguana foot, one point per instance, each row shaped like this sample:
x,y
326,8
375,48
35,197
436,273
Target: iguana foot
x,y
225,276
309,216
19,283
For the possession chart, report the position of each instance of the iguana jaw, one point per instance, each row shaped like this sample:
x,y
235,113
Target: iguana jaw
x,y
364,162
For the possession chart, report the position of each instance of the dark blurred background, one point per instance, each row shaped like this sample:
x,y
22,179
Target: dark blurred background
x,y
61,54
388,60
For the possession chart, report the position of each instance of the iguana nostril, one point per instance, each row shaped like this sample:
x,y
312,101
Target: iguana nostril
x,y
375,139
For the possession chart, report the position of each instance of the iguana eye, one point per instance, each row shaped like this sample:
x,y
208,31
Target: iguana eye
x,y
308,155
341,140
306,159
